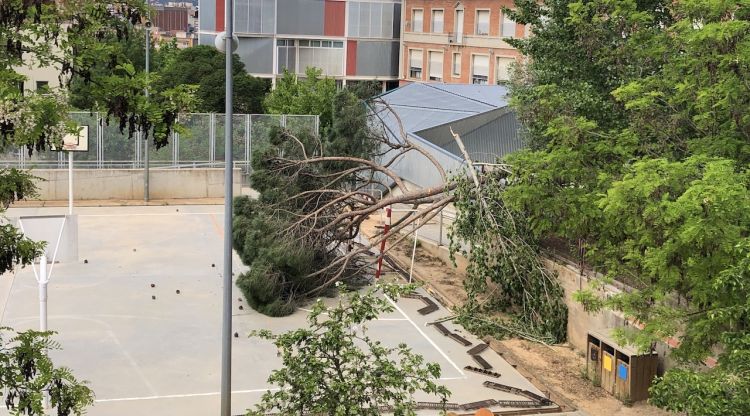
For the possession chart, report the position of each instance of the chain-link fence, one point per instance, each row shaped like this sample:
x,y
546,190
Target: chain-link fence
x,y
200,145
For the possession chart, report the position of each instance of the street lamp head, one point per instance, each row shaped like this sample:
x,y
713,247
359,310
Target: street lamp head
x,y
220,42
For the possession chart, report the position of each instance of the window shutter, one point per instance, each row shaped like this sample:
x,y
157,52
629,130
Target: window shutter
x,y
481,65
436,64
415,59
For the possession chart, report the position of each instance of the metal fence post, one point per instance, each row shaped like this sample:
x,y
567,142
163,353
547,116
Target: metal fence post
x,y
211,138
247,140
250,142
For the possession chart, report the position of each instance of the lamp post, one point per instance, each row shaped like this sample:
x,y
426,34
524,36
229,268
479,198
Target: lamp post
x,y
227,42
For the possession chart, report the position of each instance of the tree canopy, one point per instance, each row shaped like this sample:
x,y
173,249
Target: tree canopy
x,y
636,116
311,94
333,367
204,67
73,38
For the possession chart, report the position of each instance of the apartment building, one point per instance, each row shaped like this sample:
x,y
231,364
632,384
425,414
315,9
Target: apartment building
x,y
349,40
457,41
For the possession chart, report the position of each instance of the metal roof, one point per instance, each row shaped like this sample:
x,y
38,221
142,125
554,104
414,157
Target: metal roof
x,y
428,111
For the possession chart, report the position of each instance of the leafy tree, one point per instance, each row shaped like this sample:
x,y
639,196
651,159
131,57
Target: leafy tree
x,y
204,67
69,36
132,49
311,94
636,117
28,373
364,90
333,367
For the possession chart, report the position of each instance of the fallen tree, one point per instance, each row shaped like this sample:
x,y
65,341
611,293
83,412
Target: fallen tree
x,y
303,233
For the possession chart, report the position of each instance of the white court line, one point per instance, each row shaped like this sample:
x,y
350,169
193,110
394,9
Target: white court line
x,y
180,396
185,396
150,215
379,319
427,338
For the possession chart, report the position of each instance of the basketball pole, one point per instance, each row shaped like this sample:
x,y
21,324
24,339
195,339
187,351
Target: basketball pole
x,y
70,183
43,280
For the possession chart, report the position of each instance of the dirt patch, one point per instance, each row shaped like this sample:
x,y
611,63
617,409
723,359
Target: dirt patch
x,y
559,369
562,370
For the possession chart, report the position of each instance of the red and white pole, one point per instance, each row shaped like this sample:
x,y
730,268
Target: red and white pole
x,y
386,228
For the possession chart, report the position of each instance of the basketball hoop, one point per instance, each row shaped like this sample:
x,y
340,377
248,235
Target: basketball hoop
x,y
73,143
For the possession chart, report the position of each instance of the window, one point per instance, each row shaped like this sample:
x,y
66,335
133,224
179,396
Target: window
x,y
415,63
20,86
327,55
480,69
254,16
502,69
459,26
42,86
287,55
483,22
417,20
508,27
371,19
436,66
456,64
437,21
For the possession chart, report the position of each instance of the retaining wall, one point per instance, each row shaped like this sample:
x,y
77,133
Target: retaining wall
x,y
127,184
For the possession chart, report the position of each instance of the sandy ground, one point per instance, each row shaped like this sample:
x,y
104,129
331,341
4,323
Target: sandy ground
x,y
558,370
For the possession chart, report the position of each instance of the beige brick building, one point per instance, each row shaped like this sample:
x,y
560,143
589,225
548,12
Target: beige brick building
x,y
457,41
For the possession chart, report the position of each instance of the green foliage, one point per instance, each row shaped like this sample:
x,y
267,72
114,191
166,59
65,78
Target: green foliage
x,y
27,373
349,135
333,367
204,67
364,90
93,49
278,264
722,391
637,120
283,236
311,94
504,271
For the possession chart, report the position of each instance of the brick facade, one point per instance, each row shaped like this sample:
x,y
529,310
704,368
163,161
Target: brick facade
x,y
468,44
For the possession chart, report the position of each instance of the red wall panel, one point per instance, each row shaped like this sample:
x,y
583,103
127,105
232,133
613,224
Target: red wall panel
x,y
351,57
335,17
219,15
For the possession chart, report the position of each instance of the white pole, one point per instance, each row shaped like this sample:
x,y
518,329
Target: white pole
x,y
414,250
43,293
70,183
440,227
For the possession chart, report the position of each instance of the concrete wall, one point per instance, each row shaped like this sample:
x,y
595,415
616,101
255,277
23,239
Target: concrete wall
x,y
127,184
572,279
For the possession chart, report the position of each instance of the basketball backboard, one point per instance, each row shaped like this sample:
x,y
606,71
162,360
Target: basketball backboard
x,y
75,142
60,232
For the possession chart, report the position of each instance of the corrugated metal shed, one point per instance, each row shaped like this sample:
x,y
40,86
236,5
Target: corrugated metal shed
x,y
427,112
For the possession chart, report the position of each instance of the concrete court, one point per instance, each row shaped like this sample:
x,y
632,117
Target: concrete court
x,y
162,357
